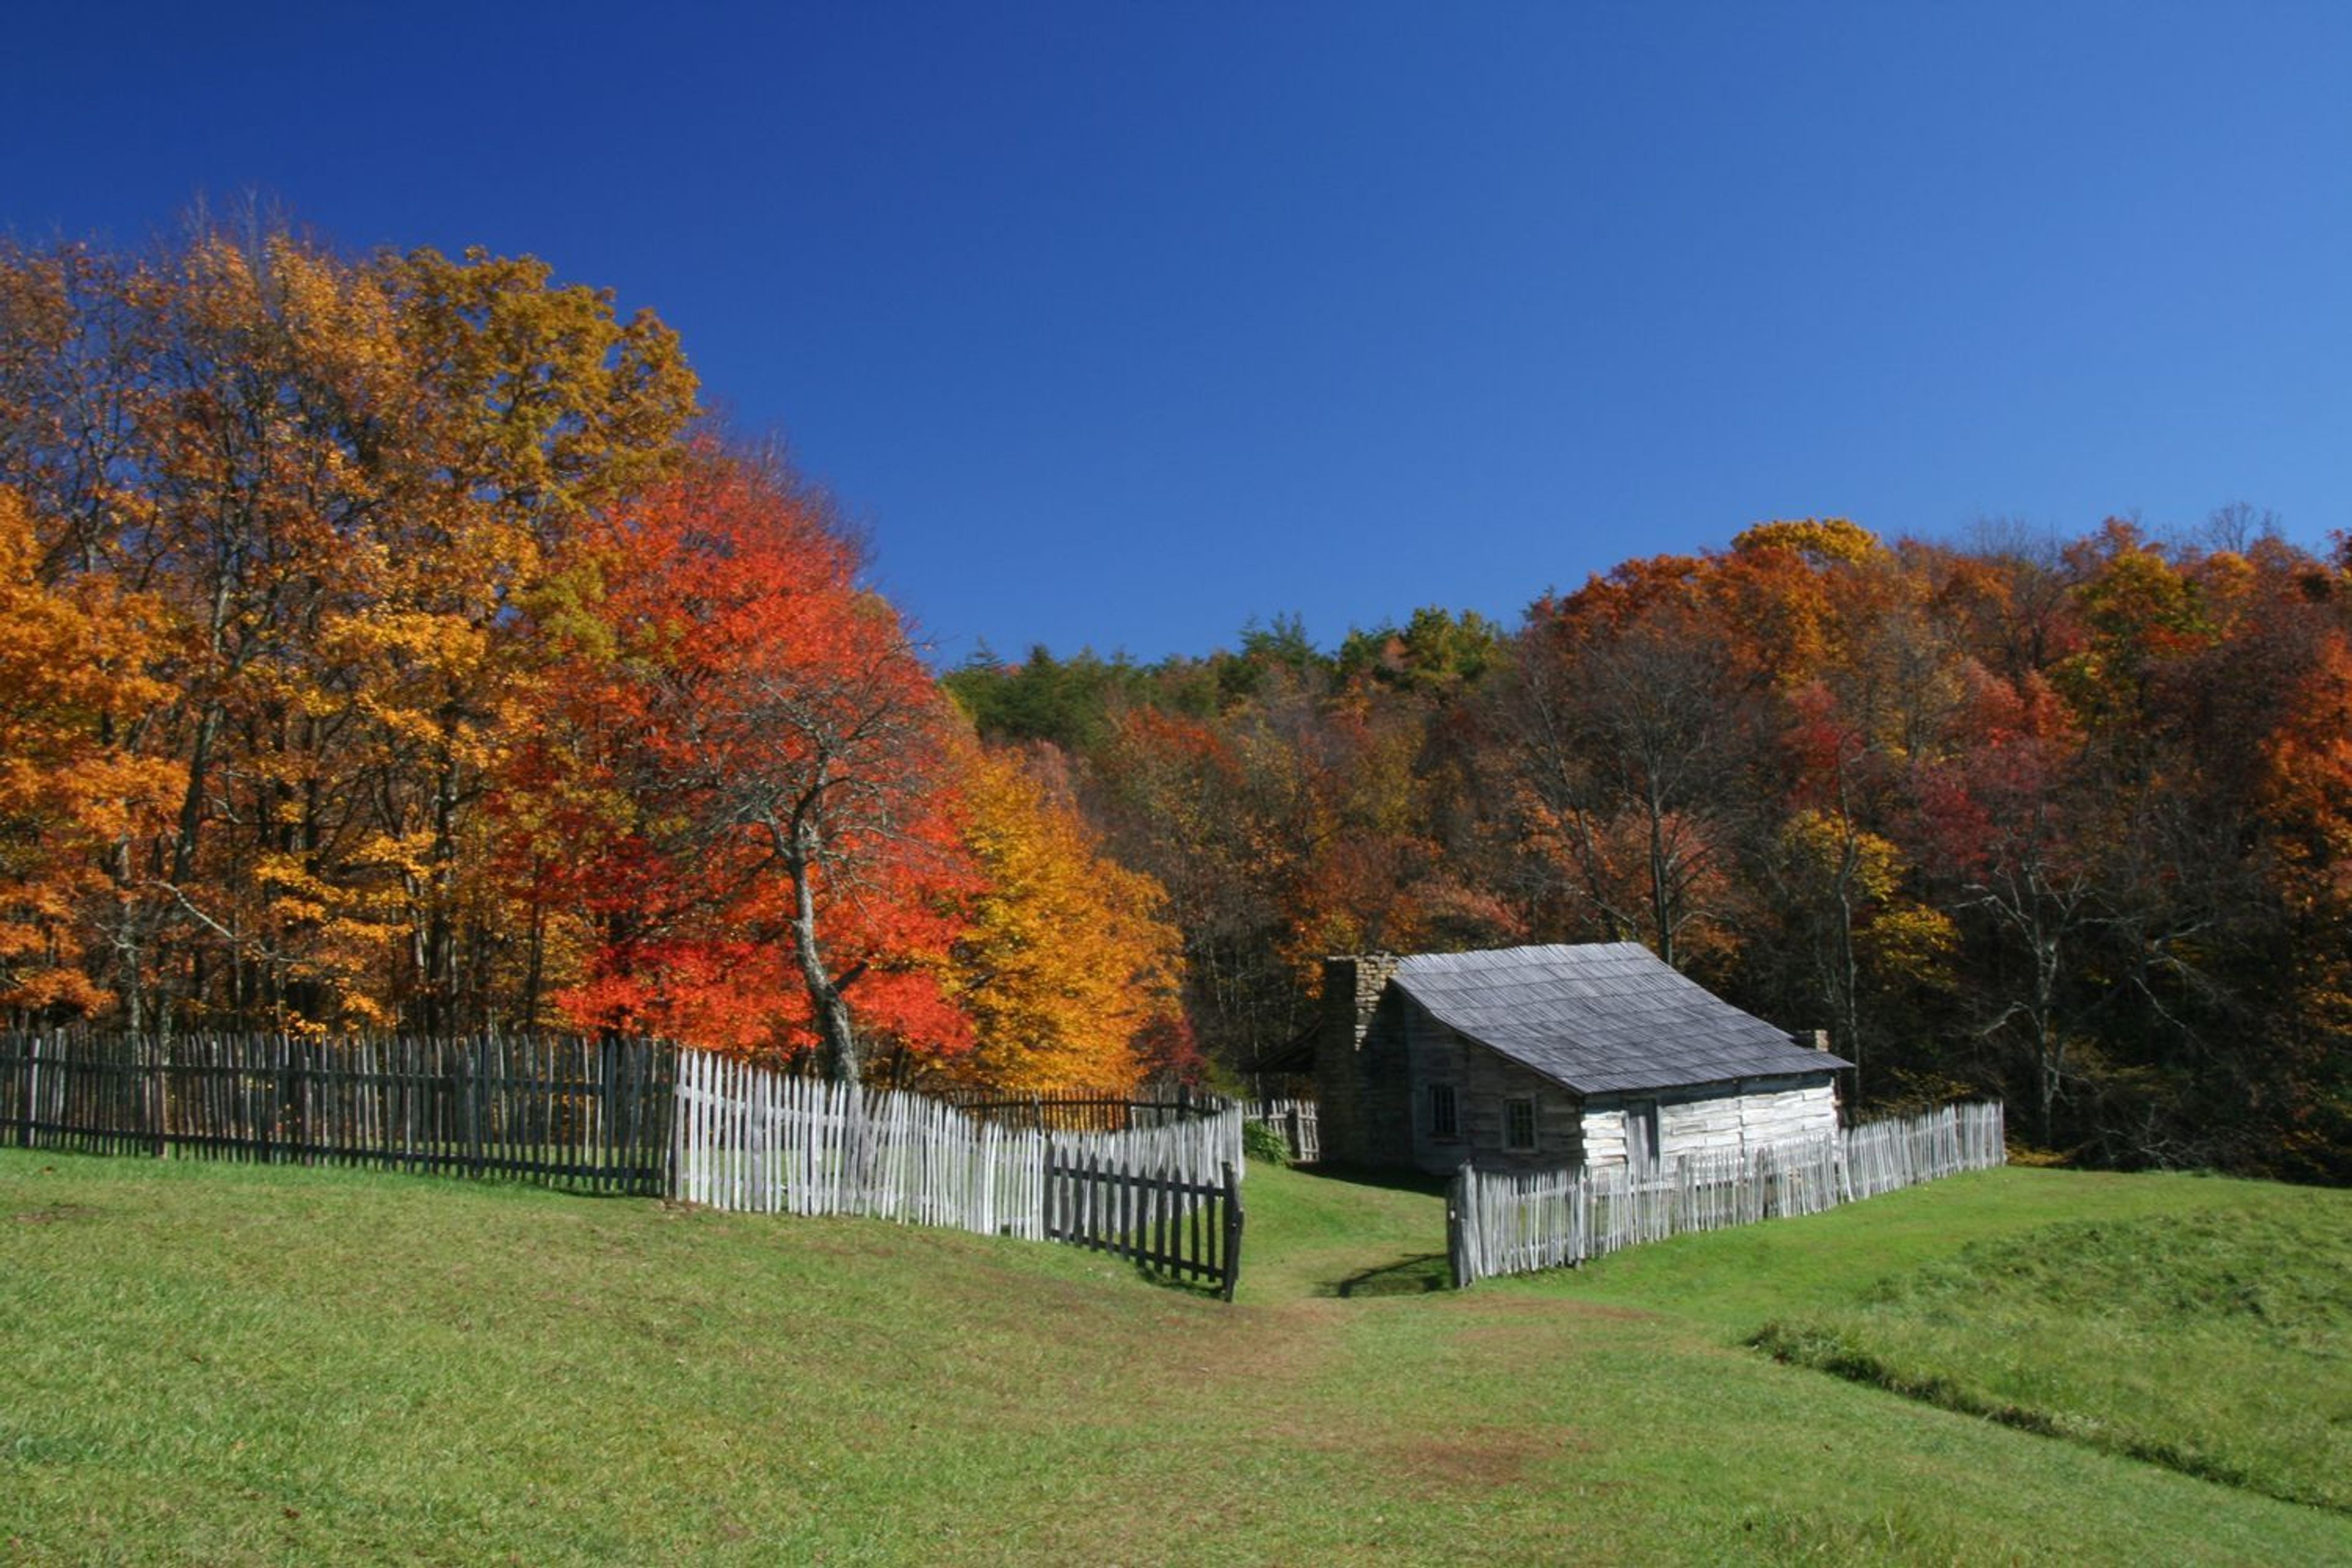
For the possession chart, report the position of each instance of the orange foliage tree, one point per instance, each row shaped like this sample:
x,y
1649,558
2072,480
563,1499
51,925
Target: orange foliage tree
x,y
72,678
760,764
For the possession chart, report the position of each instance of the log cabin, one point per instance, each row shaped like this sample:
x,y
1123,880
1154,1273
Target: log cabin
x,y
1539,1057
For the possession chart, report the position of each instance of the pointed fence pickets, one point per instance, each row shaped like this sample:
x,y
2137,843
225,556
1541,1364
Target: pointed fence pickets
x,y
1168,1197
583,1113
1298,1121
1162,1190
1077,1110
751,1139
1505,1223
1156,1182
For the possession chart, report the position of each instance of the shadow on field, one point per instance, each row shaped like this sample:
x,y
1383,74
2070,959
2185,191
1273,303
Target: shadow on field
x,y
1183,1285
1392,1240
1418,1274
1393,1180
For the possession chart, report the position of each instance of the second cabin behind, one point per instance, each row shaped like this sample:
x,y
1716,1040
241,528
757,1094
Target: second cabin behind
x,y
1538,1057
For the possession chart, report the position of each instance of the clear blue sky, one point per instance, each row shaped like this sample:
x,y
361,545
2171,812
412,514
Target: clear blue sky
x,y
1119,324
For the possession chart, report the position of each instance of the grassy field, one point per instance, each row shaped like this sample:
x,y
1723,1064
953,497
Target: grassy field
x,y
220,1363
2217,1343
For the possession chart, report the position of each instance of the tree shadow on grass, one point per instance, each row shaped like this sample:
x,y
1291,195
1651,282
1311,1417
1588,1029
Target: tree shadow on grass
x,y
1392,1180
1420,1274
1182,1284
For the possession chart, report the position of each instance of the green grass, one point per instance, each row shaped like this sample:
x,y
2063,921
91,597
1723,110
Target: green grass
x,y
2218,1343
242,1364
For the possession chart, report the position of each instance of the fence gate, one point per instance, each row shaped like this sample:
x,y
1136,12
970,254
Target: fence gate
x,y
1185,1226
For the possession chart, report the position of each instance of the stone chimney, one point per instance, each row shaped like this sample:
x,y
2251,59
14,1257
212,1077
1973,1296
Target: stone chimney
x,y
1352,984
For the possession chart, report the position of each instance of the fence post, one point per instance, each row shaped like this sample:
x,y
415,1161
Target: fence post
x,y
1232,1231
32,1088
1048,1223
469,1056
158,1067
1457,1198
294,1101
265,1114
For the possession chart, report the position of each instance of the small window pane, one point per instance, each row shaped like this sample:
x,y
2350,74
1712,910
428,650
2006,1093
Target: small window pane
x,y
1441,1110
1519,1124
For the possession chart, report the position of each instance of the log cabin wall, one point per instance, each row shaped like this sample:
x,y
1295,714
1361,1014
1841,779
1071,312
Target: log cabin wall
x,y
1484,1083
1735,1117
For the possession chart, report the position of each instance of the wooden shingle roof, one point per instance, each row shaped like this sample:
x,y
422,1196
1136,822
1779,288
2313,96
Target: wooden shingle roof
x,y
1602,1017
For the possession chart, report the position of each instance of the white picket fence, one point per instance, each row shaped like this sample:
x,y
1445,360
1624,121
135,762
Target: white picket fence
x,y
1298,1121
754,1140
1903,1151
1504,1223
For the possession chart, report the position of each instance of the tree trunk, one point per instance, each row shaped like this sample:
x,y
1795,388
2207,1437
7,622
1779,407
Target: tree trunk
x,y
439,980
839,1054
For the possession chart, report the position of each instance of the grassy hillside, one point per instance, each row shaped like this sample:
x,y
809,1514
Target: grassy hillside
x,y
245,1364
2220,1344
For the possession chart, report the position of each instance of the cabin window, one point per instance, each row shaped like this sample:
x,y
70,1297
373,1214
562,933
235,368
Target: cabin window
x,y
1518,1124
1442,1122
1642,1149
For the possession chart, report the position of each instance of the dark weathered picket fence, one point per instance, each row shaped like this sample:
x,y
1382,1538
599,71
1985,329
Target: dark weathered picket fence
x,y
1160,1214
1077,1110
580,1113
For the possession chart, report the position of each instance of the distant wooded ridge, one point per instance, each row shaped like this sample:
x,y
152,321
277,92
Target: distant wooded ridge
x,y
2066,819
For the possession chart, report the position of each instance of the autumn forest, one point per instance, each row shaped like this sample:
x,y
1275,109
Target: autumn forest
x,y
392,643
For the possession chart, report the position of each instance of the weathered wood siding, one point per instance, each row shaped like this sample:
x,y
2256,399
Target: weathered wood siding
x,y
1604,1133
1483,1083
1717,1119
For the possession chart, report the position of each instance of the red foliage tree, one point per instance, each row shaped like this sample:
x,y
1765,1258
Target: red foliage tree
x,y
764,759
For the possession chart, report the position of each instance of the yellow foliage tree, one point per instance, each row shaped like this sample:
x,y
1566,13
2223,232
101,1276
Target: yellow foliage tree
x,y
1818,539
1070,961
1843,894
354,491
71,679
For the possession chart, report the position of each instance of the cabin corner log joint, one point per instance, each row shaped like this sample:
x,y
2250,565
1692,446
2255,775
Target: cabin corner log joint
x,y
1531,1058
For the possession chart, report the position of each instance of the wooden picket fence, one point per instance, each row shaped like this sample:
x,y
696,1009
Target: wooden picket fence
x,y
1298,1121
1159,1181
1078,1111
582,1113
1901,1151
1505,1223
1167,1196
751,1139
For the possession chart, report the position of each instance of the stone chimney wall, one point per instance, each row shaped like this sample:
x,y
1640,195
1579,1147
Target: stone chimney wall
x,y
1352,984
1351,991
